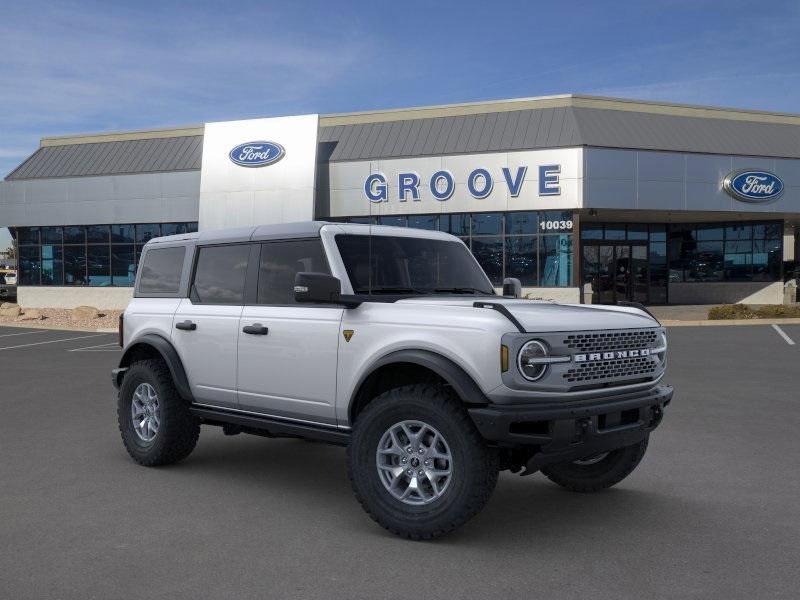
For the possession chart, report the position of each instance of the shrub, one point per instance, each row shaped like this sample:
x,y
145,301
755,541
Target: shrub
x,y
731,311
747,311
771,311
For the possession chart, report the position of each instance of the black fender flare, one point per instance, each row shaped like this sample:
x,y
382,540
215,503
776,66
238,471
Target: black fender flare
x,y
456,377
167,352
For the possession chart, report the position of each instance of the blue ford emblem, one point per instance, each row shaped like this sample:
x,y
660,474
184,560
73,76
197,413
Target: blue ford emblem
x,y
753,186
257,154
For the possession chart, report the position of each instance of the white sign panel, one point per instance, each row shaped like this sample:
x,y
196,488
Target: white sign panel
x,y
501,181
258,171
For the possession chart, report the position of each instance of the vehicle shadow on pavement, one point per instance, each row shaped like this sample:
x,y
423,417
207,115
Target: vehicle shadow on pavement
x,y
314,476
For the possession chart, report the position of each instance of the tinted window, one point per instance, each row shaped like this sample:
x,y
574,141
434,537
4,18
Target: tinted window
x,y
29,265
394,221
521,259
97,234
455,224
489,252
280,262
28,235
146,232
174,228
423,222
51,235
161,271
98,260
219,276
52,265
123,265
521,222
74,235
487,224
122,234
75,265
555,260
403,265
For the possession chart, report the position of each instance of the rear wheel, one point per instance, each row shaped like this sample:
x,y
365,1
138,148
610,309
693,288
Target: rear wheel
x,y
156,425
598,472
417,464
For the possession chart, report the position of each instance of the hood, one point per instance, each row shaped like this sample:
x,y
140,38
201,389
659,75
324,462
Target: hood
x,y
538,316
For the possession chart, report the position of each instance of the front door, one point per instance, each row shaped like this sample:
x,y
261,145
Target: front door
x,y
288,352
616,271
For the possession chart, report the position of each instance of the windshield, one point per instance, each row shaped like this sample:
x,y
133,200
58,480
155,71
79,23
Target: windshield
x,y
408,265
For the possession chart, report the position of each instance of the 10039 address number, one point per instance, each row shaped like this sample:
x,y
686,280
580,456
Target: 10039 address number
x,y
556,225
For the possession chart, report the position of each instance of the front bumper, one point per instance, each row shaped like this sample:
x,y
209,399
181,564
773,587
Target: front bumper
x,y
558,432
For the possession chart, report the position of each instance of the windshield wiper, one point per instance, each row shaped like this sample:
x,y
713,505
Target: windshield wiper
x,y
389,290
463,290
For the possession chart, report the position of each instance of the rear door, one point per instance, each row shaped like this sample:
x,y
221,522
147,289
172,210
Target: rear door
x,y
288,351
206,325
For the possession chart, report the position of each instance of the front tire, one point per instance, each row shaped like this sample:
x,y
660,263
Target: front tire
x,y
595,473
417,464
156,425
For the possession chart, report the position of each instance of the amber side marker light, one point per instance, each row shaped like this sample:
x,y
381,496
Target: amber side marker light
x,y
120,331
504,358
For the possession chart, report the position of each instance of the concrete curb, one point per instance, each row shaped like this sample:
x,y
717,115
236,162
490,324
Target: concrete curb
x,y
727,322
44,325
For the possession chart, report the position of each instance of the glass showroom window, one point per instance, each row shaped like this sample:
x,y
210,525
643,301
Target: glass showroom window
x,y
90,255
534,246
726,252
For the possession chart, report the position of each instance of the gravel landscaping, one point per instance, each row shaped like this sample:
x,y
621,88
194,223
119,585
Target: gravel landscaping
x,y
59,318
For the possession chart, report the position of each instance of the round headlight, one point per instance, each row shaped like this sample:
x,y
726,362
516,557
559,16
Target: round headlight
x,y
662,356
528,360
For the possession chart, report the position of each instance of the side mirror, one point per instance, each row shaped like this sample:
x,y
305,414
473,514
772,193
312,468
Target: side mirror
x,y
317,287
512,287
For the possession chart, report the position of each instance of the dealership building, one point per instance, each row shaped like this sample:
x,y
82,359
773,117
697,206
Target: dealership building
x,y
584,199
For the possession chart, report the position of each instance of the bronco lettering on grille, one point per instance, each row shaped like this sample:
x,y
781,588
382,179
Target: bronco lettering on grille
x,y
593,356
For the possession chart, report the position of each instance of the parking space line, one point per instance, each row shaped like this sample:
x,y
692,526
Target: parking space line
x,y
782,333
2,335
83,337
97,348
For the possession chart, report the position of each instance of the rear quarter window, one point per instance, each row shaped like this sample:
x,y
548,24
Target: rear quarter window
x,y
161,271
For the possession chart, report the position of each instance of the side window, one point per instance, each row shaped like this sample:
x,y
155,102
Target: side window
x,y
161,271
281,261
220,274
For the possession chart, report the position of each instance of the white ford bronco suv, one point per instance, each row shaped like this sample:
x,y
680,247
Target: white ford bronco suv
x,y
392,342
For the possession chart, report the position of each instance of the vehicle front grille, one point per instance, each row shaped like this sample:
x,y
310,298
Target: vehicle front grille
x,y
612,369
614,340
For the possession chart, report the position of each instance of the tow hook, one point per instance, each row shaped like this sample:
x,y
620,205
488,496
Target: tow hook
x,y
658,414
581,427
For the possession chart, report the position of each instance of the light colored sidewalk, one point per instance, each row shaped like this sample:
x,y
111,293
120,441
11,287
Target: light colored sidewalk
x,y
691,312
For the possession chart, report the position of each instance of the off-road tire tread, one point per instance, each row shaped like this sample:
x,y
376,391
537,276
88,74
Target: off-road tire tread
x,y
629,459
182,428
484,460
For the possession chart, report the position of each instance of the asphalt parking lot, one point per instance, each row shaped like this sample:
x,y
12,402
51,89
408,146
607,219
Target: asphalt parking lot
x,y
712,512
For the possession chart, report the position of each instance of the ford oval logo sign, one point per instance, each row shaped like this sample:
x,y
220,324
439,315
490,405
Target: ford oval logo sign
x,y
257,154
753,186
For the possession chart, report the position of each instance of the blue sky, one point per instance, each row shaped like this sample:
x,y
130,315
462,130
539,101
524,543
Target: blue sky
x,y
74,67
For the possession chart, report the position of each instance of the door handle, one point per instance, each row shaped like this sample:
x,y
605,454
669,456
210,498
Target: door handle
x,y
255,329
186,326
